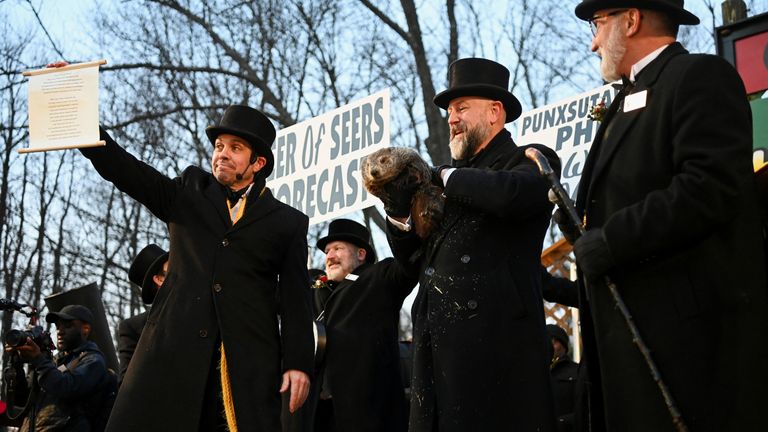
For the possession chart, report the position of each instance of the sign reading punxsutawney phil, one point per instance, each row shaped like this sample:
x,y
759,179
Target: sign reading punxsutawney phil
x,y
565,127
317,162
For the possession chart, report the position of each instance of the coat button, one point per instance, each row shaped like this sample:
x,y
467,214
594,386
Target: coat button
x,y
203,333
225,242
217,287
472,304
429,271
465,259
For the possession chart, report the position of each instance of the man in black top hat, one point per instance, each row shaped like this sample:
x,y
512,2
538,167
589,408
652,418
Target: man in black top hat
x,y
480,350
147,271
361,300
668,199
232,326
73,390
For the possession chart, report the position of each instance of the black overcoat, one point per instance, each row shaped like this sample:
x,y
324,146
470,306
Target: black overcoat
x,y
362,363
128,334
223,284
564,376
481,353
672,187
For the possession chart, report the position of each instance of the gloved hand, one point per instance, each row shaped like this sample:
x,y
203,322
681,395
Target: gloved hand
x,y
399,196
566,225
437,180
592,254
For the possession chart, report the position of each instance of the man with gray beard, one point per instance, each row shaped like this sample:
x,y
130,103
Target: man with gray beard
x,y
481,352
668,199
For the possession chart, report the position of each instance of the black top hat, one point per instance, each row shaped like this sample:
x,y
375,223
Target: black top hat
x,y
70,313
673,8
250,124
483,78
349,231
147,263
558,333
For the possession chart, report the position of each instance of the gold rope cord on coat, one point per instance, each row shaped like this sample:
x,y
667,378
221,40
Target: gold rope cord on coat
x,y
226,393
226,387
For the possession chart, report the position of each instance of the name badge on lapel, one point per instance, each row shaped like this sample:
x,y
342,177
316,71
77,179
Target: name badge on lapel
x,y
635,101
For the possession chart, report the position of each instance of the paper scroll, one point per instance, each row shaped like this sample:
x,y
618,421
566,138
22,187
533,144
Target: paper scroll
x,y
64,107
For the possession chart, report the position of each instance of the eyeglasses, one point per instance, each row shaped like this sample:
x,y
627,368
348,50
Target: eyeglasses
x,y
593,21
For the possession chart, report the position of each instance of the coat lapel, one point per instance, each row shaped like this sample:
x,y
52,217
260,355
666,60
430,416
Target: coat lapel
x,y
215,196
265,204
347,282
603,149
607,147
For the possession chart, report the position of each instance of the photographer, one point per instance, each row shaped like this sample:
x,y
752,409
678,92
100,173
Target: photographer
x,y
74,392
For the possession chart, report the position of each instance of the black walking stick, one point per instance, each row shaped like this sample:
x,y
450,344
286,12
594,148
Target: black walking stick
x,y
560,197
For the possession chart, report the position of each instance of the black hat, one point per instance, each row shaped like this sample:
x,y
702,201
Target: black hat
x,y
71,312
558,333
250,124
147,263
673,8
483,78
351,232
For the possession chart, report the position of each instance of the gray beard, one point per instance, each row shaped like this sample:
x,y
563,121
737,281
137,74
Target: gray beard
x,y
614,51
464,147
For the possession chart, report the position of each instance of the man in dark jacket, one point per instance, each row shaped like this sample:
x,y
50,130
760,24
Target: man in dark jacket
x,y
147,271
361,302
564,373
232,326
481,353
73,391
668,199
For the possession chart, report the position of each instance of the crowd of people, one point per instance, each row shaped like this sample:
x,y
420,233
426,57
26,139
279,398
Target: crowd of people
x,y
668,211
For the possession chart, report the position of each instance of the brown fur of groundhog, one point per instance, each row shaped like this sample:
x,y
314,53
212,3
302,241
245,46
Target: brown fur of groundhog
x,y
386,165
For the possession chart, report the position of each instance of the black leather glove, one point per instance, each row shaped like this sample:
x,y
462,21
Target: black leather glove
x,y
399,196
592,254
566,225
437,180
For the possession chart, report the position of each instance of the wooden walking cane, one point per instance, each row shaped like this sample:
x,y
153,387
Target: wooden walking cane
x,y
560,197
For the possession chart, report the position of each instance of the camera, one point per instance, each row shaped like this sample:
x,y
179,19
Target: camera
x,y
17,338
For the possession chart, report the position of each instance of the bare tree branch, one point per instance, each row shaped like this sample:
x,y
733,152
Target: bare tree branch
x,y
45,30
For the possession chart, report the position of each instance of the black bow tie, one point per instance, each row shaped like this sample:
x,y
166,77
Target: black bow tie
x,y
626,85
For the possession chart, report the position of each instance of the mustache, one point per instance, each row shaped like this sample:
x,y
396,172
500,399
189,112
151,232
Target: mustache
x,y
460,128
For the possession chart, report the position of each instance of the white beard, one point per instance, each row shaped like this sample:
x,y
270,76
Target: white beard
x,y
464,146
612,53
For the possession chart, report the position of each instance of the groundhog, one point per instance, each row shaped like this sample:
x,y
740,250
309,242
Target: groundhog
x,y
386,165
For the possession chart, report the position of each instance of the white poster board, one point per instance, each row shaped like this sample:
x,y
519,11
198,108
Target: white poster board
x,y
317,162
64,107
565,127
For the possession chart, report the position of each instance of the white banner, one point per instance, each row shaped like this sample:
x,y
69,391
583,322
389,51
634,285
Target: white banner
x,y
317,162
64,107
565,127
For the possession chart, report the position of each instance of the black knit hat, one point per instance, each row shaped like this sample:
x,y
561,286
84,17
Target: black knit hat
x,y
673,8
147,263
251,125
483,78
558,333
349,231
